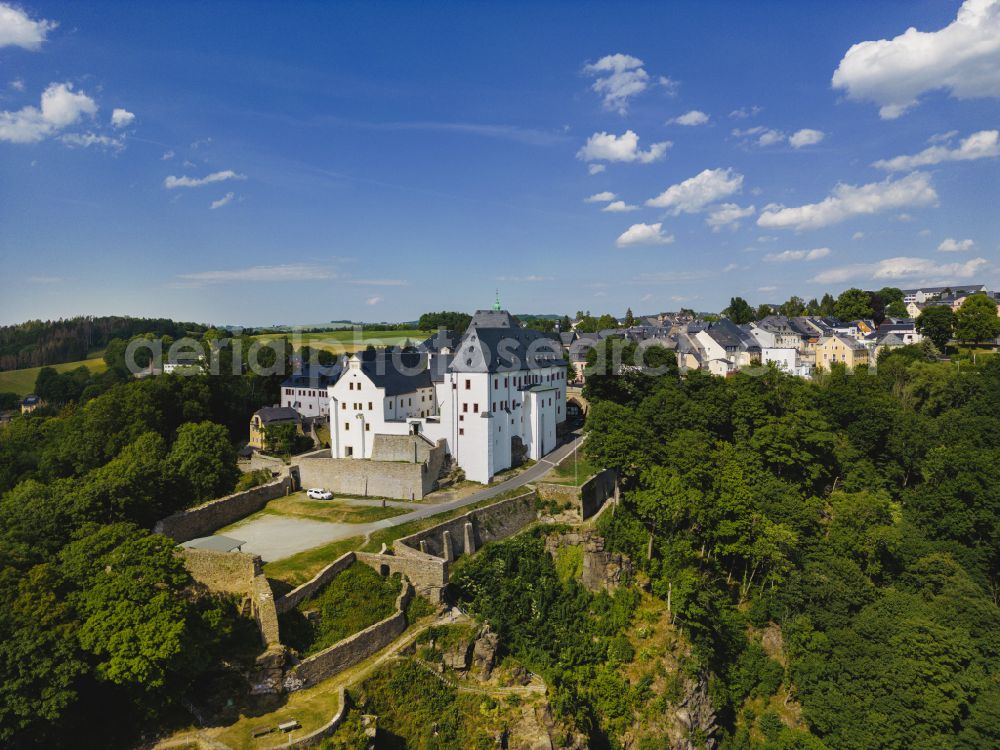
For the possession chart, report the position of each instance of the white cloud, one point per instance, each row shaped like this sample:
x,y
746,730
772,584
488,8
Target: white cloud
x,y
770,137
858,236
227,198
728,214
619,78
602,197
962,58
942,137
847,201
289,272
982,145
619,207
60,108
644,234
730,267
955,246
744,112
646,297
806,137
928,271
45,279
121,118
85,140
610,147
374,300
18,30
767,289
694,117
522,279
176,182
167,156
789,255
695,193
596,168
17,84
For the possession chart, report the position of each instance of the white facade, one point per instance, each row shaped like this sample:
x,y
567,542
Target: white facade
x,y
309,402
786,360
488,401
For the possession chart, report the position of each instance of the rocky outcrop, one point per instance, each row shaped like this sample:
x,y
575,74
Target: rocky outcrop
x,y
484,652
536,729
602,569
693,720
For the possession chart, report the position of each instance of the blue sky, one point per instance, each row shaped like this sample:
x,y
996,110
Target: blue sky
x,y
262,163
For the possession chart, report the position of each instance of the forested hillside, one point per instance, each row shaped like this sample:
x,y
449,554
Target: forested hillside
x,y
51,342
859,513
103,635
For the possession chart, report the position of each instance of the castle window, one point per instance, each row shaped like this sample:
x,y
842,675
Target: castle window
x,y
461,430
475,408
347,426
468,383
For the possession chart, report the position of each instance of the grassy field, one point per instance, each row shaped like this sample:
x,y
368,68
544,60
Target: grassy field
x,y
299,568
348,341
22,382
356,598
298,504
564,473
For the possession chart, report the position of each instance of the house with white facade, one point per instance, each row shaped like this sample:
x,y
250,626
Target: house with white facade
x,y
726,347
775,332
495,397
306,390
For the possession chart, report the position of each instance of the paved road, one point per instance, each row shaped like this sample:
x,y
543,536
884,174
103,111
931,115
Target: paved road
x,y
277,537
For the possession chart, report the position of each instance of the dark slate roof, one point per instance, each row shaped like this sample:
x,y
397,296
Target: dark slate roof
x,y
439,364
567,337
269,414
578,350
396,371
31,400
443,339
776,324
730,336
316,377
851,343
492,319
504,348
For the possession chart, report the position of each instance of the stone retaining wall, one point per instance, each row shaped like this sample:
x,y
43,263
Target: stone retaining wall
x,y
469,532
364,478
241,574
204,519
564,494
304,591
428,574
596,491
353,649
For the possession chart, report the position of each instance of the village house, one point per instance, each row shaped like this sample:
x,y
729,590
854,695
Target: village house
x,y
306,390
840,348
266,417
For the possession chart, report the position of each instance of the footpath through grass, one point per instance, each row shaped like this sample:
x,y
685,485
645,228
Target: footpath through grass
x,y
22,382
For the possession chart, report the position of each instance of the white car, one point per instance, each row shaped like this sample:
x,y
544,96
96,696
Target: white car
x,y
319,494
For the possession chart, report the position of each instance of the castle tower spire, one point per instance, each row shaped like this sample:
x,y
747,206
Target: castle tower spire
x,y
496,305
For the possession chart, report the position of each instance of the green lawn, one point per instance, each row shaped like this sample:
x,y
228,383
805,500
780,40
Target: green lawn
x,y
298,569
352,601
22,382
299,504
566,473
348,341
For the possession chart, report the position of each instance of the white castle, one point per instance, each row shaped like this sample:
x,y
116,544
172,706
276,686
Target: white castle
x,y
493,395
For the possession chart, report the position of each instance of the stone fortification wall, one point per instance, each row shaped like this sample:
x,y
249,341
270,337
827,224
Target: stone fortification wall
x,y
241,574
395,475
469,532
351,650
225,572
206,518
309,588
596,491
428,574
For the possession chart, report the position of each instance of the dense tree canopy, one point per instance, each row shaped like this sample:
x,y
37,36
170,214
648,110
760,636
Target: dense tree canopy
x,y
858,512
976,319
937,323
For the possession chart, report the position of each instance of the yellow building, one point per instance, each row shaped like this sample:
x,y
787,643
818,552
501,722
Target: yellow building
x,y
843,349
30,403
266,417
